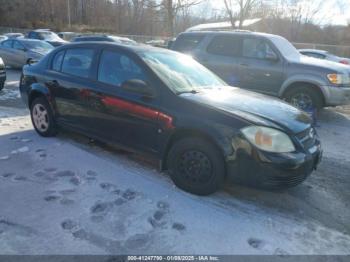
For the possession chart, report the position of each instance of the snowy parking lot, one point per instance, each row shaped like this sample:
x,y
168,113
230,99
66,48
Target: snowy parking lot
x,y
66,195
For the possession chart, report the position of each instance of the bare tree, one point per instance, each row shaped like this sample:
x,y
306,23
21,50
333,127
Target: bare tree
x,y
239,10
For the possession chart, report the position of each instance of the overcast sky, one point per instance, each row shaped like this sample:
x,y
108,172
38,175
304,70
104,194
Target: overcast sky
x,y
336,12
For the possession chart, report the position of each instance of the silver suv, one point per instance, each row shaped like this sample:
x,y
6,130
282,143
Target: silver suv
x,y
269,64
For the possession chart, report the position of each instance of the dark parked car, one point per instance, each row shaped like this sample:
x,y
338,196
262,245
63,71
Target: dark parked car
x,y
104,38
2,74
48,36
269,64
168,106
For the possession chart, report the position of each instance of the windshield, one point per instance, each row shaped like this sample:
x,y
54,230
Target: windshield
x,y
180,72
285,47
49,36
38,46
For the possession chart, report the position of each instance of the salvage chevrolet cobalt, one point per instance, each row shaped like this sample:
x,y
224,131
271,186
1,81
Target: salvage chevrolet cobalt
x,y
166,105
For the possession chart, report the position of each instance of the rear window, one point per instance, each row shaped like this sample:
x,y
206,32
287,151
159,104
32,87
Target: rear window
x,y
78,62
226,45
7,44
187,42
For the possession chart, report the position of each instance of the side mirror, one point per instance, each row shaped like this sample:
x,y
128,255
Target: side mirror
x,y
137,86
31,61
271,57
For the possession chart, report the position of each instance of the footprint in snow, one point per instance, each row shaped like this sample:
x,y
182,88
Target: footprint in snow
x,y
256,243
8,175
20,150
4,157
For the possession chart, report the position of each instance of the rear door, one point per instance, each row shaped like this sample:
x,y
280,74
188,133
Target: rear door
x,y
261,66
70,81
222,56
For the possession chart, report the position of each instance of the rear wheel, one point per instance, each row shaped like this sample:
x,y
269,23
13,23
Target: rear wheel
x,y
42,117
196,166
305,98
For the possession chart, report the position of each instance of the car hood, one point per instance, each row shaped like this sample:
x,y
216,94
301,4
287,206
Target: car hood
x,y
253,107
322,63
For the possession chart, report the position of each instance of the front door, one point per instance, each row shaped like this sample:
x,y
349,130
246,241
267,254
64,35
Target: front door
x,y
127,118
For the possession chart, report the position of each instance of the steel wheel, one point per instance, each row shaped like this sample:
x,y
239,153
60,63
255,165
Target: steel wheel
x,y
195,167
40,118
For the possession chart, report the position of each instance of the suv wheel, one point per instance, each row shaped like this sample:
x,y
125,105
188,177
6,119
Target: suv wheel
x,y
196,166
42,117
305,98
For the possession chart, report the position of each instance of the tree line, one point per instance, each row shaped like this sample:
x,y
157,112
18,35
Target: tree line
x,y
297,20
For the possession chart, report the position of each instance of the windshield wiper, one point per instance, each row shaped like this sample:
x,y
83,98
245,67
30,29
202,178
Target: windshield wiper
x,y
192,91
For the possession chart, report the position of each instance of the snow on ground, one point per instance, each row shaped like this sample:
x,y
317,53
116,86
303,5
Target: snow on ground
x,y
64,195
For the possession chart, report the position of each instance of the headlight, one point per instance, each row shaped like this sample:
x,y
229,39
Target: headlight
x,y
268,139
339,79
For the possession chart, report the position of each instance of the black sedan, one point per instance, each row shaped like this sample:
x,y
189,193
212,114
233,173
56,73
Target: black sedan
x,y
166,105
2,74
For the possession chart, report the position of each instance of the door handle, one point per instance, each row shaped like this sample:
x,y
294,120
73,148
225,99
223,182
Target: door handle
x,y
243,64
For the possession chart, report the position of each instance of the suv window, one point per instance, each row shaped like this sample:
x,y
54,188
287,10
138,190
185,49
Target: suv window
x,y
78,62
57,61
256,48
115,68
187,42
227,45
7,44
33,35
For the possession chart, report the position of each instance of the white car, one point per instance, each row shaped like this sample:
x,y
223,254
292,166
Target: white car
x,y
325,55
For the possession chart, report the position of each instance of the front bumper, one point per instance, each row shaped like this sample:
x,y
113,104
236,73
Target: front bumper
x,y
257,168
335,96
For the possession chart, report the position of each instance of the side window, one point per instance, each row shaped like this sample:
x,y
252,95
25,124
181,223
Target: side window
x,y
7,44
116,68
57,61
256,48
187,42
78,62
17,45
226,45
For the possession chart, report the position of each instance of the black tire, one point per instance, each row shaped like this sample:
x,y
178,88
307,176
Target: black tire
x,y
2,84
203,177
309,93
51,130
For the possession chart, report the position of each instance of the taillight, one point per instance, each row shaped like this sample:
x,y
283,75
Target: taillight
x,y
345,62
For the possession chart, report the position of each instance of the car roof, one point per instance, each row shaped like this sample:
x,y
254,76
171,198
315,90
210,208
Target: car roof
x,y
313,51
235,32
28,40
133,48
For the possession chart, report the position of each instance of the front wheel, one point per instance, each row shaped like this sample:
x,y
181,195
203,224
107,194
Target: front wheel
x,y
196,166
305,98
42,117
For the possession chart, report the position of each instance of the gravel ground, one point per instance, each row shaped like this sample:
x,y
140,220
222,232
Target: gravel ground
x,y
65,195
